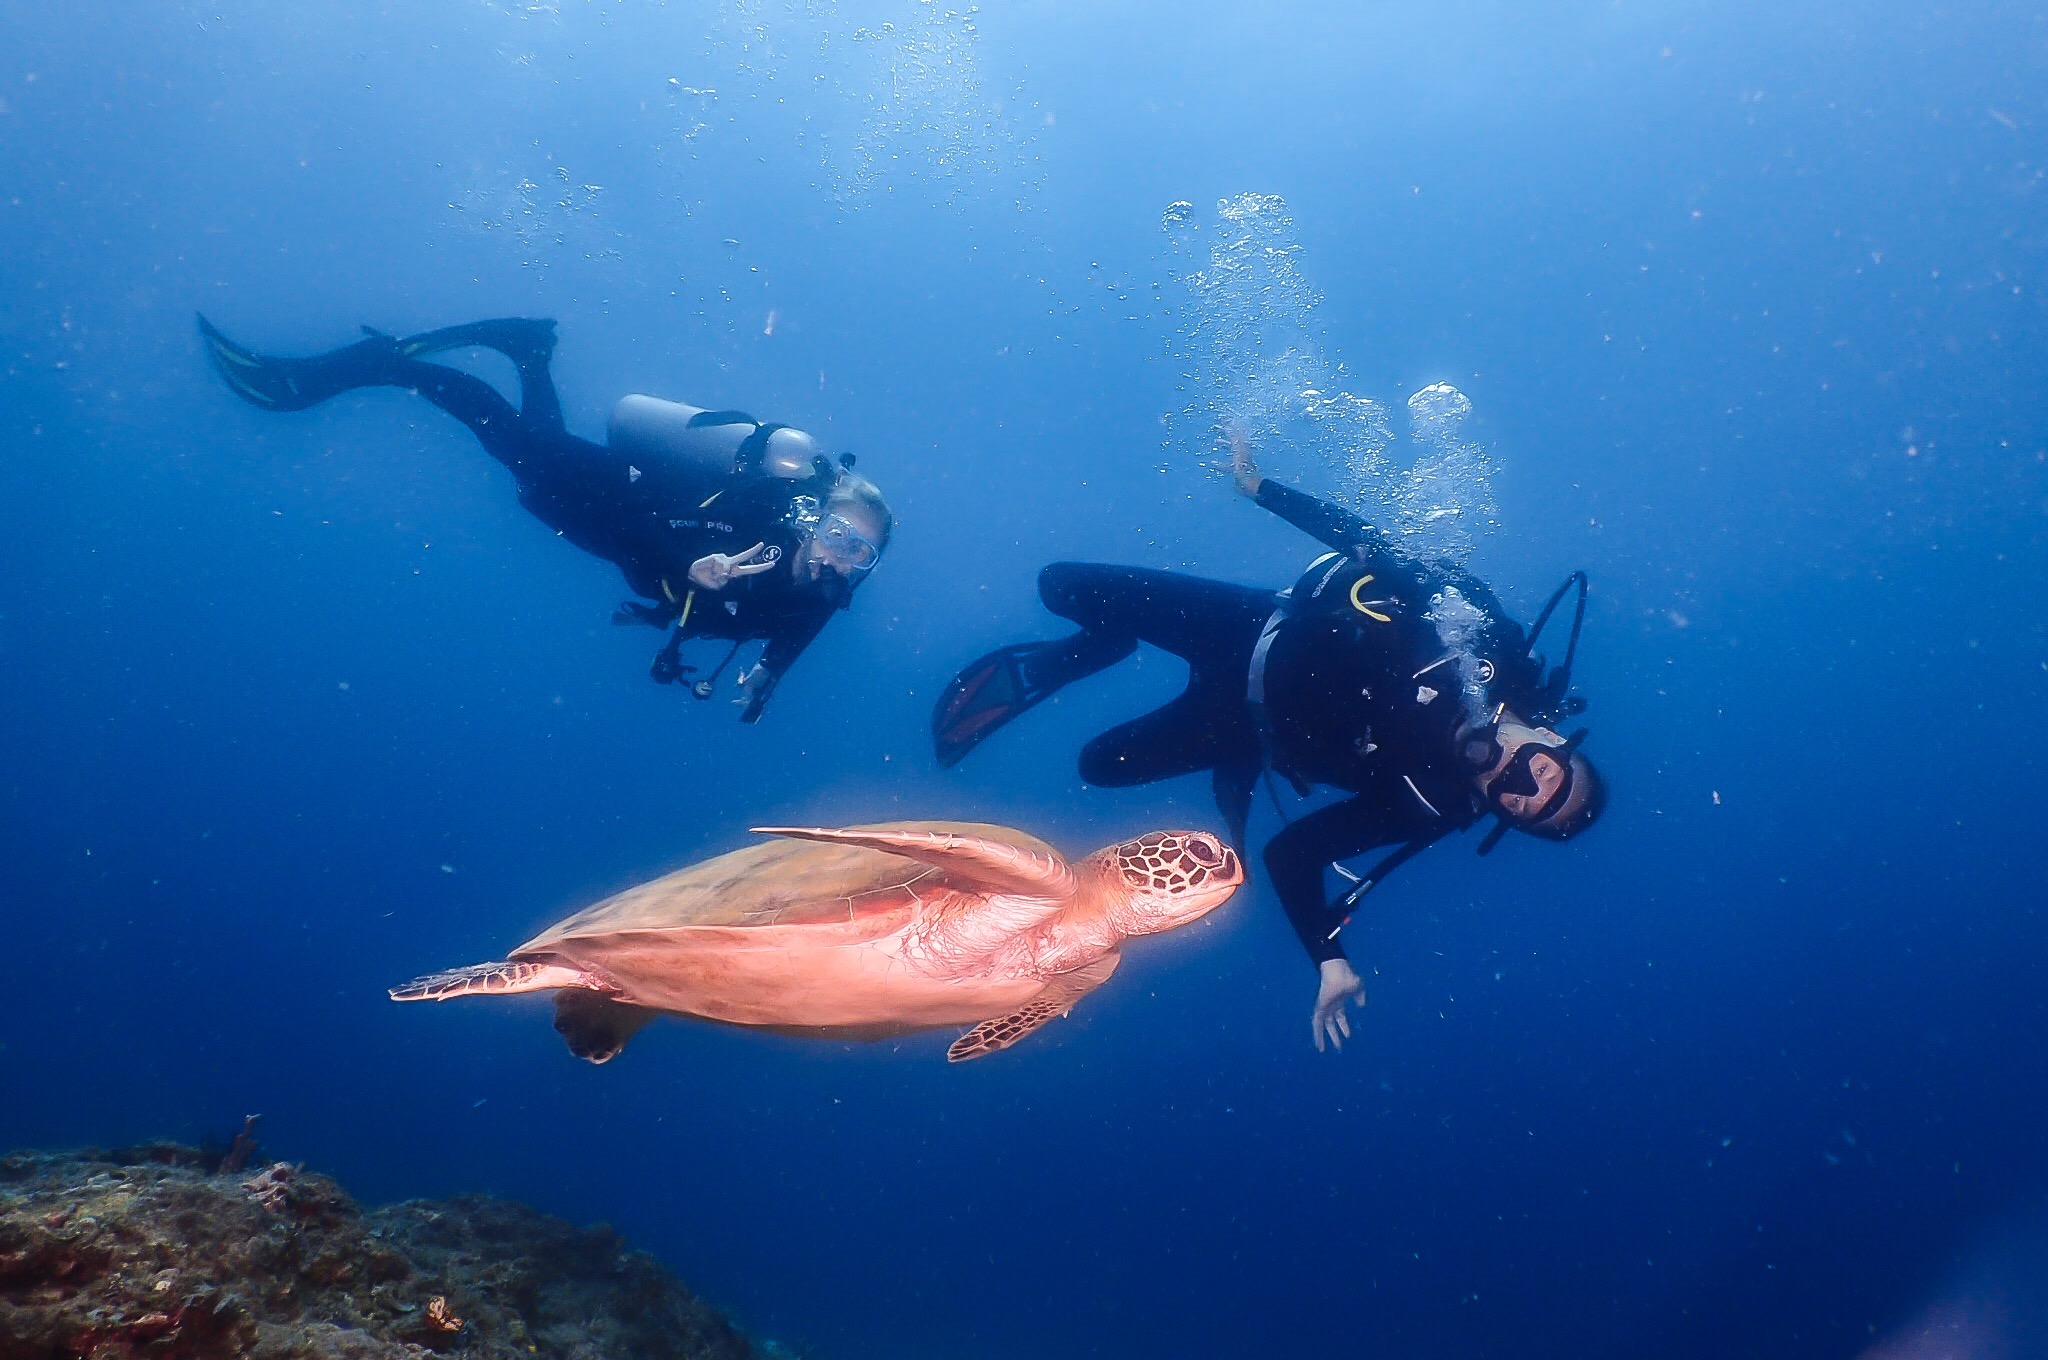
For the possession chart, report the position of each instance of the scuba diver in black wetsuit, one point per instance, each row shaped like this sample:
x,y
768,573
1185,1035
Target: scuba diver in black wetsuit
x,y
1404,684
730,528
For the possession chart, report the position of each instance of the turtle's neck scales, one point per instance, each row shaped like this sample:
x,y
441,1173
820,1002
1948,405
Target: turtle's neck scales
x,y
1078,935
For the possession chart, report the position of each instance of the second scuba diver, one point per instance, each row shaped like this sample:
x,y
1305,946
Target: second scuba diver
x,y
1401,683
727,527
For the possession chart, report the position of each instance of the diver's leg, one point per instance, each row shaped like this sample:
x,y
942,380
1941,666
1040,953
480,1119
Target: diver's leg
x,y
515,337
1168,741
1213,626
538,400
497,425
1119,607
1203,729
1210,624
293,384
529,342
1194,618
997,688
1233,779
579,489
583,491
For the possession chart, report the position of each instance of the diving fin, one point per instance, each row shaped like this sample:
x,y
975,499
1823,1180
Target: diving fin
x,y
1006,683
296,384
521,339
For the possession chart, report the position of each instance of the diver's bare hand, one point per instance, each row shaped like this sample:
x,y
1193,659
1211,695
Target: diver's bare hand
x,y
1340,984
715,571
1243,468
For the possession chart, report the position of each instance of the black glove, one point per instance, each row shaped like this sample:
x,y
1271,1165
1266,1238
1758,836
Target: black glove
x,y
759,687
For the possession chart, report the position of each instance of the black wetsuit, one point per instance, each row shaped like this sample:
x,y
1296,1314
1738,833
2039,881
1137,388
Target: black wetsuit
x,y
1361,693
651,517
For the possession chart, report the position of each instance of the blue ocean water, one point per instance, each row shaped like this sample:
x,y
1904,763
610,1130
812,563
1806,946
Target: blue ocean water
x,y
1746,299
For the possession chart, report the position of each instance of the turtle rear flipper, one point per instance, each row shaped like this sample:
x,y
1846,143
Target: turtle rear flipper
x,y
502,978
595,1026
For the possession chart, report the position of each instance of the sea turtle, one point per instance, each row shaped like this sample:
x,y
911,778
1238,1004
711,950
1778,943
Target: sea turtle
x,y
861,932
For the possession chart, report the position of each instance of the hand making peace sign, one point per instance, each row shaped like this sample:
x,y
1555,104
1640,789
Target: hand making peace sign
x,y
714,571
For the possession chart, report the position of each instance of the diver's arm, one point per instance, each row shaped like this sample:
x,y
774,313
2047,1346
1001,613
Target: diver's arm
x,y
784,647
1332,525
1297,857
1295,860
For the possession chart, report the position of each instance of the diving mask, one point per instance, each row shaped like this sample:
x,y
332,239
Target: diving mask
x,y
849,550
1518,779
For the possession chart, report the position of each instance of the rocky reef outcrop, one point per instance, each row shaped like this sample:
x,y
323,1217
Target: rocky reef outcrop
x,y
162,1251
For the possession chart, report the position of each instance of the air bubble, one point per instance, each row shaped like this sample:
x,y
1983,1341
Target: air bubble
x,y
1252,354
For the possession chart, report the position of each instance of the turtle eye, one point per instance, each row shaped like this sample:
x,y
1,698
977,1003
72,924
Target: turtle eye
x,y
1205,850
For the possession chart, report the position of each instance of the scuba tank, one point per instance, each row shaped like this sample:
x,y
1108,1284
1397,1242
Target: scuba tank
x,y
719,443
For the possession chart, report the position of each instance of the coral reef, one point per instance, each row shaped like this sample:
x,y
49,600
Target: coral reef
x,y
164,1251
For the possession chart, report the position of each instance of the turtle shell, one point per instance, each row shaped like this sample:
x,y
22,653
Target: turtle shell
x,y
780,882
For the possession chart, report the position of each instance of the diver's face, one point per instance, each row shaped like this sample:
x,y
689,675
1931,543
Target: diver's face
x,y
1522,782
848,549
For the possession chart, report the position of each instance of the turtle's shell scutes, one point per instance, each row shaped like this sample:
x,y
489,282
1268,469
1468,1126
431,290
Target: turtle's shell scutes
x,y
782,882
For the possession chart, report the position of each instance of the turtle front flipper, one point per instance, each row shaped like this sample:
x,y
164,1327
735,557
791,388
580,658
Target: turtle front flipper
x,y
502,978
974,860
1058,998
595,1026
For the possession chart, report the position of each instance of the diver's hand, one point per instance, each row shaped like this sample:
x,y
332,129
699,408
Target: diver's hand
x,y
755,684
1243,468
1340,984
714,571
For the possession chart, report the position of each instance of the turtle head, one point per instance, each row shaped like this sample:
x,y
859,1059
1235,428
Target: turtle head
x,y
1168,878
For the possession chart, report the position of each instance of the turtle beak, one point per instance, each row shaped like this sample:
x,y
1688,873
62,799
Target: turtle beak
x,y
1196,901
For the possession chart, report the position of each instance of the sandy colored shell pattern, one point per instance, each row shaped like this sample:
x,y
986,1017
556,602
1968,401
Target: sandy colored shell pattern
x,y
776,882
